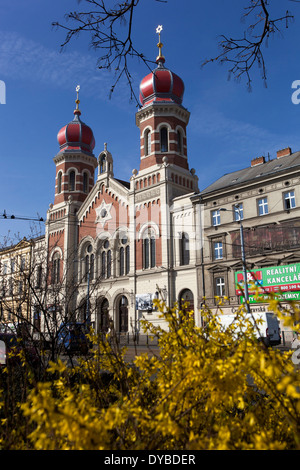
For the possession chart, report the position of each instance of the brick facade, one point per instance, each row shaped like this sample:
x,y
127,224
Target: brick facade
x,y
115,238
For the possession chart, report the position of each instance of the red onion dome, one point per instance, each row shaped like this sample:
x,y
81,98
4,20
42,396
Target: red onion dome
x,y
76,136
161,85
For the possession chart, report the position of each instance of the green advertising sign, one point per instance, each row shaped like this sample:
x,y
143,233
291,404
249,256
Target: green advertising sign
x,y
282,280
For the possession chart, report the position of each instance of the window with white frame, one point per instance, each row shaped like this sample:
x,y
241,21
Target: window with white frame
x,y
289,200
262,205
215,217
217,250
238,211
219,286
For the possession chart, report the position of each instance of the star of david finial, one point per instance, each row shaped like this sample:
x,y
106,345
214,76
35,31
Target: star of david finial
x,y
159,29
77,101
160,57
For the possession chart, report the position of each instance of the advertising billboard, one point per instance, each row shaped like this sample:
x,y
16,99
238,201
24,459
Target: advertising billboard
x,y
284,281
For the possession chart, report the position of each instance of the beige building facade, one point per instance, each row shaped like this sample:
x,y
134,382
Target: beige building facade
x,y
15,266
265,199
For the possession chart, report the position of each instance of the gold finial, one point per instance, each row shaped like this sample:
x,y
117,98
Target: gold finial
x,y
77,101
160,57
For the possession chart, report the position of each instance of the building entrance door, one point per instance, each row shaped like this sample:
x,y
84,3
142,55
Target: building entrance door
x,y
186,301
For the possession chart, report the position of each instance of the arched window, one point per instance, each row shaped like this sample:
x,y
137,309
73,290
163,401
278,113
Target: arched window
x,y
179,142
72,180
106,260
103,317
59,177
122,261
108,269
55,269
147,142
184,249
123,314
186,301
84,311
164,144
85,182
127,259
89,262
149,250
103,263
124,256
102,164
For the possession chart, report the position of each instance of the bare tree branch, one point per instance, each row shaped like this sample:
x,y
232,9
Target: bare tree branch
x,y
243,53
110,30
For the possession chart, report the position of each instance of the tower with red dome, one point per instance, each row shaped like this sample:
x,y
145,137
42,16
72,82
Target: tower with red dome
x,y
162,119
75,161
74,179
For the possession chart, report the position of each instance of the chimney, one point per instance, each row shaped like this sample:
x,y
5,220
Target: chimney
x,y
257,161
284,152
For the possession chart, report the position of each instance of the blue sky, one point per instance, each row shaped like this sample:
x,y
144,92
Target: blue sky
x,y
228,125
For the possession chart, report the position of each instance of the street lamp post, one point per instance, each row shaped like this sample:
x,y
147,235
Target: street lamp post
x,y
237,207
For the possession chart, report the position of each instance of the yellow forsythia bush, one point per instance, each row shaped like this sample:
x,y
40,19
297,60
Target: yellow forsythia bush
x,y
208,388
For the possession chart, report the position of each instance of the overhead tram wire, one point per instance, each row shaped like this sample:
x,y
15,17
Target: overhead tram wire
x,y
6,216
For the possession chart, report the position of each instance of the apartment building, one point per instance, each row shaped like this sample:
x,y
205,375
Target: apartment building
x,y
261,204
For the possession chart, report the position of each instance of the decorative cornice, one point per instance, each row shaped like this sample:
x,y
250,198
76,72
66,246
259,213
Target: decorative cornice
x,y
75,157
162,109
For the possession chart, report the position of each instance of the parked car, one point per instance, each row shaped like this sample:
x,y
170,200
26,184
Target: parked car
x,y
11,346
8,344
8,327
73,337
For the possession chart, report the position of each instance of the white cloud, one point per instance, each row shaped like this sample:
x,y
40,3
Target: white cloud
x,y
25,59
237,137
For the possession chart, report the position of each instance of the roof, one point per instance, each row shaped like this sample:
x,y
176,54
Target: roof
x,y
251,173
24,243
124,183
